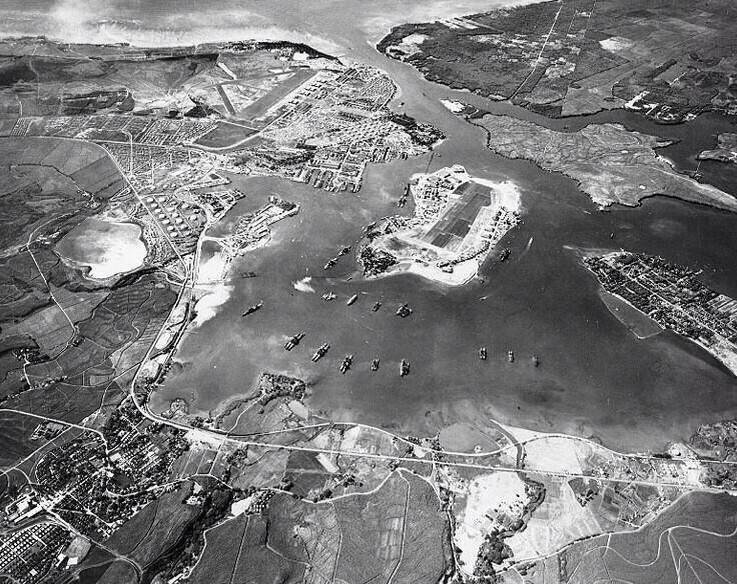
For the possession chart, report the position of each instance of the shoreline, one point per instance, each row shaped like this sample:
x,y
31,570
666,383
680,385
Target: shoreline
x,y
604,205
723,356
430,273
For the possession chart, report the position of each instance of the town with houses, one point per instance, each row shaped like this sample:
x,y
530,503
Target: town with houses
x,y
674,297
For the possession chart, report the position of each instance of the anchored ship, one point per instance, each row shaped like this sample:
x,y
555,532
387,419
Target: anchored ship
x,y
505,254
376,306
252,309
374,365
510,356
344,251
536,361
352,299
248,274
404,310
328,296
329,265
482,353
320,353
346,364
294,341
403,368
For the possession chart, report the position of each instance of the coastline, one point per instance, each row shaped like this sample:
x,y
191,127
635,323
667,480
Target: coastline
x,y
605,203
434,274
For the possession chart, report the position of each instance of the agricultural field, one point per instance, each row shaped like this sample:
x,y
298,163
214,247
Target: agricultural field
x,y
690,541
397,532
668,60
236,551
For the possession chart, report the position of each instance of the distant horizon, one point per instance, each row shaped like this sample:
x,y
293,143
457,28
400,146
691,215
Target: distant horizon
x,y
176,23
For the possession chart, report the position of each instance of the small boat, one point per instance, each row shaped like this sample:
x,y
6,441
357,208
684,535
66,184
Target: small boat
x,y
352,299
404,368
404,311
374,365
482,353
328,296
294,341
376,306
252,309
510,356
320,353
346,364
536,361
329,265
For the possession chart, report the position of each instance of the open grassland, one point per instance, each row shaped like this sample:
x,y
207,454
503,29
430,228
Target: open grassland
x,y
15,436
156,528
610,163
44,177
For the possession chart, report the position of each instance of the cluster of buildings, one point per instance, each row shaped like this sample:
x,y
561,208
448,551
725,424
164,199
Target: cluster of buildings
x,y
94,485
84,488
456,219
673,297
163,178
124,128
334,124
658,111
27,555
252,229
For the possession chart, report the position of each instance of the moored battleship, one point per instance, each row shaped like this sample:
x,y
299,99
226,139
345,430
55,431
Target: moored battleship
x,y
320,353
294,341
345,365
404,311
404,368
254,308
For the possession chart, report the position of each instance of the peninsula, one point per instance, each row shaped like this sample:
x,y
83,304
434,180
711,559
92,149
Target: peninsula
x,y
673,297
726,150
610,163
